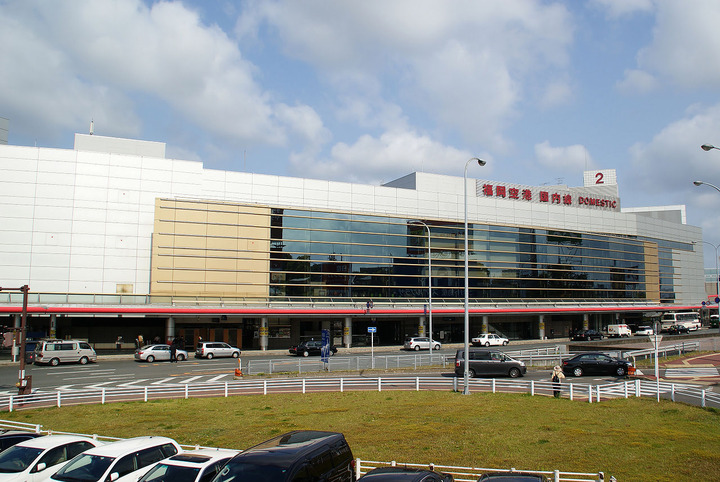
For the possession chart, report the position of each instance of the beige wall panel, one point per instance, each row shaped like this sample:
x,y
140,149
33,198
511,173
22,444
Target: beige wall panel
x,y
207,236
652,272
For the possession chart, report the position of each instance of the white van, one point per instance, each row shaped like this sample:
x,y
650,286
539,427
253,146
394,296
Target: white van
x,y
119,461
689,319
617,331
54,352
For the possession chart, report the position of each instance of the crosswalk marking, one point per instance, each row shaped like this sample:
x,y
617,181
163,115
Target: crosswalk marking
x,y
132,383
681,372
189,380
214,379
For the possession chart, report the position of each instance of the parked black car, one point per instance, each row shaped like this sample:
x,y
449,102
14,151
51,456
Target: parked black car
x,y
595,363
488,362
586,335
312,347
402,474
678,330
300,455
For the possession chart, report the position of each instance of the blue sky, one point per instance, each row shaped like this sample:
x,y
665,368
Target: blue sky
x,y
368,91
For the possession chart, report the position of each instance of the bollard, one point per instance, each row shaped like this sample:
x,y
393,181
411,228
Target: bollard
x,y
238,370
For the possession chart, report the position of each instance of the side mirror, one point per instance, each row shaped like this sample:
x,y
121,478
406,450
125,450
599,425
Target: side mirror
x,y
114,476
40,467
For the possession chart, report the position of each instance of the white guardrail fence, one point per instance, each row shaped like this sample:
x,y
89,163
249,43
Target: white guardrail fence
x,y
539,357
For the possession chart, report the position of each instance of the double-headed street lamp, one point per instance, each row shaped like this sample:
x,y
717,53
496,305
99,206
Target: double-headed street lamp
x,y
708,147
466,374
429,285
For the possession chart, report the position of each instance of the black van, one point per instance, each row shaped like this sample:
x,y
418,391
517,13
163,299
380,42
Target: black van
x,y
299,456
485,361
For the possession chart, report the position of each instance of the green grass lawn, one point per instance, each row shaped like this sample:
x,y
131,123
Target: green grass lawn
x,y
633,439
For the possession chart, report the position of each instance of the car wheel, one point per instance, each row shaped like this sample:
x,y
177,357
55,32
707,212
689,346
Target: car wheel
x,y
487,343
306,353
577,371
514,372
209,356
417,347
235,354
180,357
150,359
505,343
83,360
437,347
54,362
471,373
620,371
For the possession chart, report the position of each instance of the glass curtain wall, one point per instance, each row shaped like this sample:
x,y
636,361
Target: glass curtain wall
x,y
335,255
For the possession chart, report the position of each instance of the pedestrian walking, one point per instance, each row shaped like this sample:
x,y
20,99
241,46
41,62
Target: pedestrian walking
x,y
118,343
173,351
557,376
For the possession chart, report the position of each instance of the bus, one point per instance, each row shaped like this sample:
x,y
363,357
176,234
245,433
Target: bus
x,y
689,319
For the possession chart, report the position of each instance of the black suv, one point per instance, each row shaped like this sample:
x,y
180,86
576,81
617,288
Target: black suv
x,y
490,362
586,335
312,347
299,456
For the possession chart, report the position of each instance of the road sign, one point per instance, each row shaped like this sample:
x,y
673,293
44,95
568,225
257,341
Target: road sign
x,y
372,329
325,349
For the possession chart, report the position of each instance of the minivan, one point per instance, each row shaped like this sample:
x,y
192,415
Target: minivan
x,y
485,361
126,459
298,456
54,352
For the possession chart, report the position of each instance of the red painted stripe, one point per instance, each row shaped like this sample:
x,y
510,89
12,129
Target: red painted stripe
x,y
175,310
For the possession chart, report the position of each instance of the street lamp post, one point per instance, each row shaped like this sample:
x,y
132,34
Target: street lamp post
x,y
707,147
466,373
429,285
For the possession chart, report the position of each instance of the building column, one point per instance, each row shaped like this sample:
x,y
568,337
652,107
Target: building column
x,y
586,321
421,326
169,329
18,322
541,327
485,323
53,325
347,332
264,332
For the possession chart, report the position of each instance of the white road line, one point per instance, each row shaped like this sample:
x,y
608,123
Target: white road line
x,y
160,382
129,384
98,385
214,379
80,370
64,388
691,372
187,381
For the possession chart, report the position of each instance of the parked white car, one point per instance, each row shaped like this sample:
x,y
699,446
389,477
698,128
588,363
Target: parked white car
x,y
151,353
215,349
420,343
644,330
192,466
490,339
35,459
120,461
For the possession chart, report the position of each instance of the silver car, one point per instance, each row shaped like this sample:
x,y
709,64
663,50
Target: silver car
x,y
151,353
213,349
420,343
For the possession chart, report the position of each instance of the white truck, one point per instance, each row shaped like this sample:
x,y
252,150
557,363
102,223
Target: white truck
x,y
618,331
688,319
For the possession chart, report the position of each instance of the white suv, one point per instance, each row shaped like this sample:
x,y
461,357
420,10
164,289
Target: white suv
x,y
127,459
420,343
54,352
211,349
488,339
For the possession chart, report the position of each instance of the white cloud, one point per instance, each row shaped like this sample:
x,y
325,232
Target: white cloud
x,y
637,82
620,8
685,43
465,63
102,53
570,158
556,93
375,159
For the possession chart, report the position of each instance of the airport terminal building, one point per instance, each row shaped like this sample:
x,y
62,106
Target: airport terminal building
x,y
114,239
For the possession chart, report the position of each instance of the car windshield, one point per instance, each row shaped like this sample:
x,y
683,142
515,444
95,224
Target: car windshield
x,y
84,468
242,471
164,472
16,459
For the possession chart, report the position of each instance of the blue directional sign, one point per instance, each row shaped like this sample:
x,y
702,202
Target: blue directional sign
x,y
325,349
372,329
